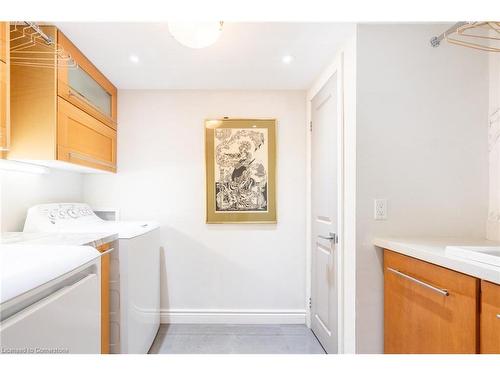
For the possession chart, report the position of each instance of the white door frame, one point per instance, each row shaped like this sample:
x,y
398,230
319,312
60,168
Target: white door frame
x,y
336,68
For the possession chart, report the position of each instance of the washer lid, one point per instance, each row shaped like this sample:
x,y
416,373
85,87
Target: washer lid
x,y
129,229
26,267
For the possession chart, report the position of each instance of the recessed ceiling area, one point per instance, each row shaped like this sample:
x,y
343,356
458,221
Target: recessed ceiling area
x,y
280,56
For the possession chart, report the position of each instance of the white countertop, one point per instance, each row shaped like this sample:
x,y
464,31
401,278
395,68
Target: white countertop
x,y
26,267
432,250
62,239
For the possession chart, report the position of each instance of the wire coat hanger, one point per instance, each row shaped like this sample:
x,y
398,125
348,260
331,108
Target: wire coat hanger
x,y
31,47
487,37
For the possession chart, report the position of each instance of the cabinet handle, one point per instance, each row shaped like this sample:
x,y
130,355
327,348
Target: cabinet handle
x,y
498,316
77,155
443,292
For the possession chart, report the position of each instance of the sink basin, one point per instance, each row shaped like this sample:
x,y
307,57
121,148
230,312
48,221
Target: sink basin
x,y
483,254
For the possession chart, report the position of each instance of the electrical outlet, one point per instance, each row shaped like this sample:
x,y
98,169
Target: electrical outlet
x,y
380,209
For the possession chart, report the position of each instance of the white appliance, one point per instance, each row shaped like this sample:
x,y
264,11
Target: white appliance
x,y
134,275
50,299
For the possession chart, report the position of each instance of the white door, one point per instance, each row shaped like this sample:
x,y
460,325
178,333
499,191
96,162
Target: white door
x,y
324,206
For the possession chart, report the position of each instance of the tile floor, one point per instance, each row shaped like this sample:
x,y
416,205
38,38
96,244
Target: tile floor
x,y
235,339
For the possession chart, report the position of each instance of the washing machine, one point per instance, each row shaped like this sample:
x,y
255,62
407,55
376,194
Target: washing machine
x,y
134,270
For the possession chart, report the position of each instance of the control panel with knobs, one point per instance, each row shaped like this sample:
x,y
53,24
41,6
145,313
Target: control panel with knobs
x,y
67,211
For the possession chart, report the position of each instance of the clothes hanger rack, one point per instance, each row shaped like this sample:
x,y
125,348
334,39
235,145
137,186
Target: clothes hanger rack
x,y
32,47
483,36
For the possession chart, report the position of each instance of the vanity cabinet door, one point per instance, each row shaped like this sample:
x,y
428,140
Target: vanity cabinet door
x,y
427,308
490,318
81,139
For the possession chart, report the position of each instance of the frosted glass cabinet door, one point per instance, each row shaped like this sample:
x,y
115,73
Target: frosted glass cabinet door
x,y
84,86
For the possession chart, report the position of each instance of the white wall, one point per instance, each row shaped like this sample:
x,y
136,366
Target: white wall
x,y
421,143
20,190
494,148
237,269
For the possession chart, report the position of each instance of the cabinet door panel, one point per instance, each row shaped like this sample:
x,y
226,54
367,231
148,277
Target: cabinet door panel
x,y
4,41
4,86
427,308
4,106
490,318
83,140
85,86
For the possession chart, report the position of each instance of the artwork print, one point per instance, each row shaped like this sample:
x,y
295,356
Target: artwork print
x,y
240,162
241,170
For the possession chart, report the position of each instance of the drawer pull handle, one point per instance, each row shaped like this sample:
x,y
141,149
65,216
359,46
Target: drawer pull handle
x,y
443,292
498,316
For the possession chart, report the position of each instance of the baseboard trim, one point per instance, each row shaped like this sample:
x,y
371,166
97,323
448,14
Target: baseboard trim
x,y
181,316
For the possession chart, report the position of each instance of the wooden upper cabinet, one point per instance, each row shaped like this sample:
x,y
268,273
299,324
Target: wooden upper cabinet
x,y
63,112
427,308
4,87
81,84
490,318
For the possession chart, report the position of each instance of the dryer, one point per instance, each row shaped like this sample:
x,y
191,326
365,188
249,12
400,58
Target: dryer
x,y
134,275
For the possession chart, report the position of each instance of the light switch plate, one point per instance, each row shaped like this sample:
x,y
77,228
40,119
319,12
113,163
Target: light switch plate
x,y
380,209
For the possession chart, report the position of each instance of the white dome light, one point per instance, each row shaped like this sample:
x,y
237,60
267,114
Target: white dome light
x,y
195,34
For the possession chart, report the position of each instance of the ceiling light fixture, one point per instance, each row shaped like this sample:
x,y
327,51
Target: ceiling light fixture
x,y
134,58
196,34
287,59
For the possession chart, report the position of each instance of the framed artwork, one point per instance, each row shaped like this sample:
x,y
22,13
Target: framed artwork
x,y
241,170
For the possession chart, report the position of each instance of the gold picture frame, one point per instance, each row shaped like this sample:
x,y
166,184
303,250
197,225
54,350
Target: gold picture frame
x,y
240,171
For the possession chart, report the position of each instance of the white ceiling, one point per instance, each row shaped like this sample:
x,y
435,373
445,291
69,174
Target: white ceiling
x,y
246,56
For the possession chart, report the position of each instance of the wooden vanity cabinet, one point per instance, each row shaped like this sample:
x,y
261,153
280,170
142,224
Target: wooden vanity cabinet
x,y
490,318
427,308
4,87
64,112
